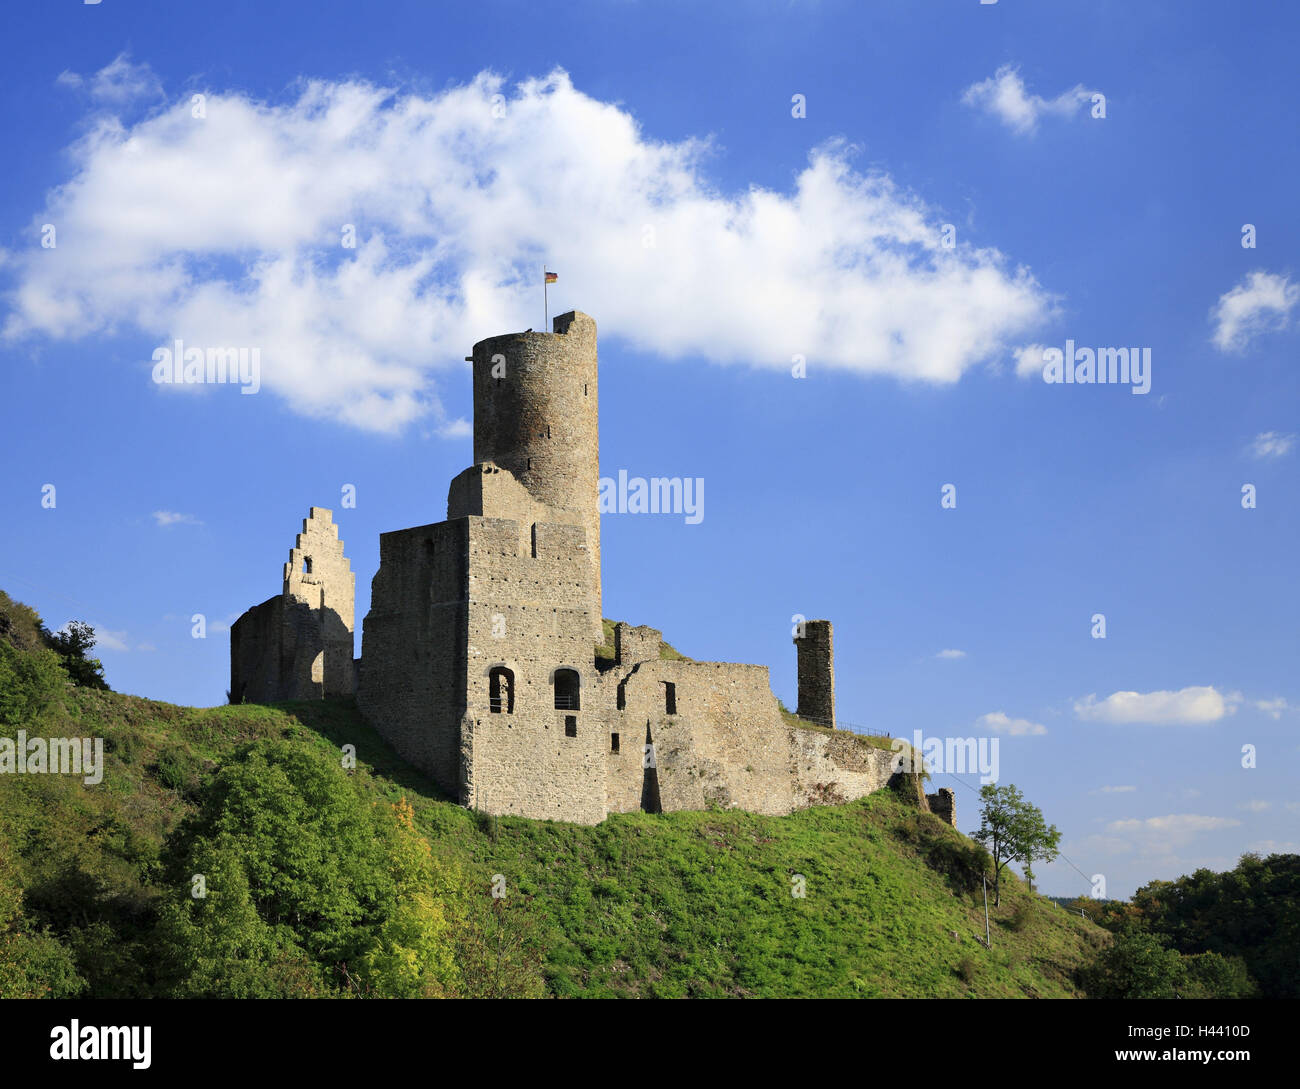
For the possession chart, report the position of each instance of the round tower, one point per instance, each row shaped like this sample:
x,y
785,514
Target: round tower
x,y
535,413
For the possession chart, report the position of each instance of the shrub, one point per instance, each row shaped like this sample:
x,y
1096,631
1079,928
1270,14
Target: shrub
x,y
29,681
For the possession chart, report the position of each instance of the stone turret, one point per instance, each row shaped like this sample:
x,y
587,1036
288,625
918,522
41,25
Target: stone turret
x,y
816,672
536,416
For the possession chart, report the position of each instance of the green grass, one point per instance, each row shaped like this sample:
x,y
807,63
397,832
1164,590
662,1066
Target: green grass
x,y
682,904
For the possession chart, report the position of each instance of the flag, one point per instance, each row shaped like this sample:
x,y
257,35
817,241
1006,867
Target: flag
x,y
551,277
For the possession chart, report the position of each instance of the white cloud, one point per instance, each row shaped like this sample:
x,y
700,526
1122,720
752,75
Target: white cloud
x,y
1118,789
1261,303
1186,707
459,428
1005,97
1166,833
1000,723
165,518
1272,444
1029,361
110,640
1256,806
951,654
146,647
1273,708
227,230
117,83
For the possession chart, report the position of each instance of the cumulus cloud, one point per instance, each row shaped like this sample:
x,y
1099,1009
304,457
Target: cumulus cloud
x,y
459,428
106,639
1261,303
230,230
117,83
1186,707
165,518
1000,723
951,654
1272,444
1029,361
1005,96
1274,707
1165,833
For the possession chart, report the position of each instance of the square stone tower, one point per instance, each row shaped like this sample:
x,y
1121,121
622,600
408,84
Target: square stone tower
x,y
478,662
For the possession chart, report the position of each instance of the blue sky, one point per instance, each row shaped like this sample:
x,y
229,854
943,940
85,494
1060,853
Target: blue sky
x,y
649,153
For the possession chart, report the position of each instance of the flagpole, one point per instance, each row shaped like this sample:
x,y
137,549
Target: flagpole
x,y
546,306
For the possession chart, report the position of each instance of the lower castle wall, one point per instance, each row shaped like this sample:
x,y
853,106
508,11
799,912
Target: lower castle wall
x,y
836,767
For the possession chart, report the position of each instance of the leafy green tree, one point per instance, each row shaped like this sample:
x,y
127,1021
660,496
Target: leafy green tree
x,y
73,646
1136,965
33,963
1251,913
413,954
309,888
1013,830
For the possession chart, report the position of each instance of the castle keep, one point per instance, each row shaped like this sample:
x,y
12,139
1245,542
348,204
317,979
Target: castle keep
x,y
480,661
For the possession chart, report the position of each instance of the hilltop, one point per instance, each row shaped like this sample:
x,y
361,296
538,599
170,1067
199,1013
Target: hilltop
x,y
683,904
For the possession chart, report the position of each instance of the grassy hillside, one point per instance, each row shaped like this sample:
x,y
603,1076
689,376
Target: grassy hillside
x,y
686,904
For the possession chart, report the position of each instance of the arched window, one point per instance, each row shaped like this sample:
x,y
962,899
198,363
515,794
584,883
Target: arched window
x,y
501,690
566,690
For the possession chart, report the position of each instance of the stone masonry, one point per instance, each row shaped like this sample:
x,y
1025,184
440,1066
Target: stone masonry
x,y
816,653
479,657
299,645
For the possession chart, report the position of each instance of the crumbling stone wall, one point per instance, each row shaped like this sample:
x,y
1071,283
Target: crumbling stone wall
x,y
943,805
299,645
833,767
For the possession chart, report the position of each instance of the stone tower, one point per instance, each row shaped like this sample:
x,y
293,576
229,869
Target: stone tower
x,y
535,414
816,673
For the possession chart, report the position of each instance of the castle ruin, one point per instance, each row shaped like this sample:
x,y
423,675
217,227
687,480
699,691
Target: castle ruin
x,y
479,661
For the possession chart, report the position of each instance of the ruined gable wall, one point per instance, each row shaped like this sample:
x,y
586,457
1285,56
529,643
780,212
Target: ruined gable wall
x,y
318,644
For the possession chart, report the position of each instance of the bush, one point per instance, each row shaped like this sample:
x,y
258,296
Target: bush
x,y
29,681
309,888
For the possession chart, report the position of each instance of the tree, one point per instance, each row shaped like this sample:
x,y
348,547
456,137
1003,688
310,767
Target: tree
x,y
307,888
73,645
1136,965
1013,830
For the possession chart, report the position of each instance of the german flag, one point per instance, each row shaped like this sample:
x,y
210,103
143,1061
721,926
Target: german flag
x,y
551,277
